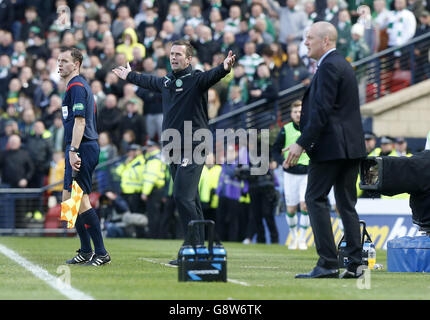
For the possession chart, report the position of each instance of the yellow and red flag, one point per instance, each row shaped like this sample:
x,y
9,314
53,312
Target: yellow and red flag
x,y
70,207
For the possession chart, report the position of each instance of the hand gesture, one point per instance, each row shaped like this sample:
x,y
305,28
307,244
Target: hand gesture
x,y
295,151
229,61
122,72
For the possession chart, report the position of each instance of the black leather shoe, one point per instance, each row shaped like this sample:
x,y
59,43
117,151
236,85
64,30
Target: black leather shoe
x,y
319,272
174,262
350,274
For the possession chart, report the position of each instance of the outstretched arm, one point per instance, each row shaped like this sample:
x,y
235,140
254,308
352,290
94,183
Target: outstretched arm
x,y
141,80
209,78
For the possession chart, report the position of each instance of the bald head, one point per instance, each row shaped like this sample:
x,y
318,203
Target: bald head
x,y
321,38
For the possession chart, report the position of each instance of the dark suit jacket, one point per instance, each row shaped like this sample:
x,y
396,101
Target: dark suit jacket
x,y
330,120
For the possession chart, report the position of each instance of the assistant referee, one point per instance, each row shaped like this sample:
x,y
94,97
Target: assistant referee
x,y
184,96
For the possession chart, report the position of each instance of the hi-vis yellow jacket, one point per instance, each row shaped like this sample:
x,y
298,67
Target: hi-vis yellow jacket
x,y
154,172
131,175
208,184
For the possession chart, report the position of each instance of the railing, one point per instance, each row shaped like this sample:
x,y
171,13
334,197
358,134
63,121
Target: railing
x,y
378,75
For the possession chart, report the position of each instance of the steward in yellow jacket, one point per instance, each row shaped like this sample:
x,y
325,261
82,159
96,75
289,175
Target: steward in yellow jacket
x,y
208,185
131,174
153,180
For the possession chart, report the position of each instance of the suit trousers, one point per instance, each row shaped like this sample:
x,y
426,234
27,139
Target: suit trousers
x,y
342,174
186,194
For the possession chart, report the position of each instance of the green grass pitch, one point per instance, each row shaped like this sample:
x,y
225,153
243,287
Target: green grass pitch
x,y
138,271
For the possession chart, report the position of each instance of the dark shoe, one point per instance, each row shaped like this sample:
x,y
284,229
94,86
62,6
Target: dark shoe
x,y
351,274
174,262
81,257
98,260
319,272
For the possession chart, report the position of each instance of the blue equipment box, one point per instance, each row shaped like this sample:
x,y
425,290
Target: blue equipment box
x,y
409,254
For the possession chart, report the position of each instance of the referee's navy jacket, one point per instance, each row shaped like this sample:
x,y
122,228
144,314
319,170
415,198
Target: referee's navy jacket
x,y
184,95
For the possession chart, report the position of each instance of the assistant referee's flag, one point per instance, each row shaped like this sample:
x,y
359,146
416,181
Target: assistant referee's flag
x,y
70,207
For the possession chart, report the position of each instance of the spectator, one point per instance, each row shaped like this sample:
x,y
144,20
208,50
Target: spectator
x,y
167,33
358,48
150,36
130,42
293,73
242,37
416,7
401,24
214,103
233,21
118,24
422,65
195,17
57,132
263,87
228,43
10,128
38,145
370,29
19,56
27,123
16,169
6,43
176,18
5,75
343,32
43,94
331,13
257,12
240,80
128,94
28,83
51,110
56,174
109,120
292,20
16,166
250,60
205,46
99,95
134,121
108,151
14,91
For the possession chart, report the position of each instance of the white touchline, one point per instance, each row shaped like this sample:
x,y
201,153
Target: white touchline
x,y
42,274
242,283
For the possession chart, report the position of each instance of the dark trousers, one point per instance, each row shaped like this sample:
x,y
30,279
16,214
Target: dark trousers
x,y
186,194
262,208
342,174
153,207
227,219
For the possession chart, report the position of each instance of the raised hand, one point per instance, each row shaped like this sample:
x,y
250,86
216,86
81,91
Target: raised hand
x,y
229,61
122,72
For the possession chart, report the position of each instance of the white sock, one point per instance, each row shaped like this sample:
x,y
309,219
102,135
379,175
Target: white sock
x,y
292,223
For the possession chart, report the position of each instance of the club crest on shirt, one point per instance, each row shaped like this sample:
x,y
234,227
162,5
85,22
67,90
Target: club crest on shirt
x,y
185,162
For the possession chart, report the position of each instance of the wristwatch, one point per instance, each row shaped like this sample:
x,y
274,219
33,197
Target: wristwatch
x,y
73,149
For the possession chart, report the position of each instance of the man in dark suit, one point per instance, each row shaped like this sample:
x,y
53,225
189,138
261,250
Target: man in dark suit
x,y
332,135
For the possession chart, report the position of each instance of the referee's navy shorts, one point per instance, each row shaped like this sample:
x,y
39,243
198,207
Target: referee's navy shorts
x,y
89,154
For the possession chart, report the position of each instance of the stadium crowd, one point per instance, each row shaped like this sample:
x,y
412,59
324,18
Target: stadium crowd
x,y
267,36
